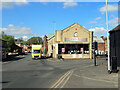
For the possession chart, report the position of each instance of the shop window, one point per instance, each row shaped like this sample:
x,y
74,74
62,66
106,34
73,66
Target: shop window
x,y
73,48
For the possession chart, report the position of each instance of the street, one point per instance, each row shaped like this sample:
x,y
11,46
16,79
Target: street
x,y
23,72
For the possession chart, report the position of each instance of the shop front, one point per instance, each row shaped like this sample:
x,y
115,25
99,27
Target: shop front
x,y
74,50
72,42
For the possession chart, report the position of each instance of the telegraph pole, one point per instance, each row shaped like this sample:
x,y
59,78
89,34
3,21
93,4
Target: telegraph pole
x,y
55,38
109,71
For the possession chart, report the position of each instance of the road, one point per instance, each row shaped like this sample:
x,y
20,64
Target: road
x,y
23,72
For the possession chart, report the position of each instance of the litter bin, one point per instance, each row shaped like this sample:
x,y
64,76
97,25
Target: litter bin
x,y
114,64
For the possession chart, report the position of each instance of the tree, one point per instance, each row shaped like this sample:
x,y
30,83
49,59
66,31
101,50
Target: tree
x,y
10,41
21,41
34,40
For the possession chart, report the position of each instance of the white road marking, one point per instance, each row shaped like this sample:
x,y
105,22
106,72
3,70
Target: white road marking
x,y
95,79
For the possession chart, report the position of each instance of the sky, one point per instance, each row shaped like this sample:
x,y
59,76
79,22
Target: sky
x,y
28,19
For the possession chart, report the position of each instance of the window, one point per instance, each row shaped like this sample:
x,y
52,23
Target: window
x,y
75,34
73,48
36,51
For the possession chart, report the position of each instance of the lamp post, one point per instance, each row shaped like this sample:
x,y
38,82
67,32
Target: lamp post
x,y
109,71
55,38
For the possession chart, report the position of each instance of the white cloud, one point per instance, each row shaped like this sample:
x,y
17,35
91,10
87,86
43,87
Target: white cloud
x,y
21,2
98,18
25,37
111,8
10,25
114,22
6,5
4,29
69,4
98,31
17,31
72,0
16,1
60,0
53,0
12,3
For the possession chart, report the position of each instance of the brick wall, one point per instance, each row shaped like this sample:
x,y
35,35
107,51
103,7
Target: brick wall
x,y
45,43
101,46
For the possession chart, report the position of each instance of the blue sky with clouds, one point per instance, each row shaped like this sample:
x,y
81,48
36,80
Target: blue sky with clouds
x,y
29,19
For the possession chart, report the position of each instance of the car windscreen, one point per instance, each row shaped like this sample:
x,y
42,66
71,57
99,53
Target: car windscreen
x,y
36,51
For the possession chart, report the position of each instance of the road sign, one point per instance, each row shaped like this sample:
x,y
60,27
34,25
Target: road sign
x,y
63,49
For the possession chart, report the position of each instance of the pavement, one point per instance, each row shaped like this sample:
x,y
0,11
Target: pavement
x,y
23,72
54,60
90,76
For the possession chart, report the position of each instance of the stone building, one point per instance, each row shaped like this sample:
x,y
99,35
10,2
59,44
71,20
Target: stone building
x,y
72,42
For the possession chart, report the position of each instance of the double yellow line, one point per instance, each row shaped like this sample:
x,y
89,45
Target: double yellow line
x,y
62,81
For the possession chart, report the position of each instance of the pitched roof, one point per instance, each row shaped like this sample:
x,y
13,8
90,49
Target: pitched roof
x,y
74,24
69,26
49,36
52,35
98,39
115,29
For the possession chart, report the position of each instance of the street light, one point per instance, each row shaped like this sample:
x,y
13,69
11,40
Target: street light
x,y
109,71
55,38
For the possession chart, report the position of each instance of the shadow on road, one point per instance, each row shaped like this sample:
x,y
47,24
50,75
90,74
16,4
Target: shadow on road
x,y
5,82
12,58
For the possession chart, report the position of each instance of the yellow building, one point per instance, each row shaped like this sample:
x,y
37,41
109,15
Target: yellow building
x,y
72,42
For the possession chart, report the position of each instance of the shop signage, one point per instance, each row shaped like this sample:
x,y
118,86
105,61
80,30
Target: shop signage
x,y
76,39
63,49
82,50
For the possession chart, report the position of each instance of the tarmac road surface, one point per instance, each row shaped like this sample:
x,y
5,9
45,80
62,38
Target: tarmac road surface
x,y
23,72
